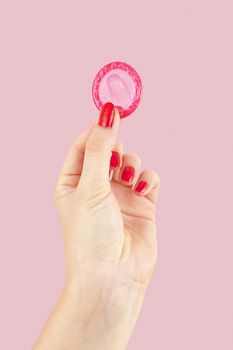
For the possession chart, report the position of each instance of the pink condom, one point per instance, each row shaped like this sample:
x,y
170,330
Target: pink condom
x,y
119,83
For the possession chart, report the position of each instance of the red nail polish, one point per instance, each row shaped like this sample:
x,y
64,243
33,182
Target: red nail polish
x,y
106,115
115,160
128,173
141,187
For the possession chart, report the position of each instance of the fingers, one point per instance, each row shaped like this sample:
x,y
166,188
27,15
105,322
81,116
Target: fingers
x,y
99,146
145,184
148,185
73,164
91,144
116,157
129,170
96,152
115,160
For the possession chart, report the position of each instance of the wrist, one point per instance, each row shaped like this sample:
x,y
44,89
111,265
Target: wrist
x,y
103,310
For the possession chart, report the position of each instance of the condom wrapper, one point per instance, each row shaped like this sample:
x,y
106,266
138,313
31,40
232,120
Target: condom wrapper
x,y
119,83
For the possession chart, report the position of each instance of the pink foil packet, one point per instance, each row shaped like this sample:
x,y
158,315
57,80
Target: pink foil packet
x,y
119,83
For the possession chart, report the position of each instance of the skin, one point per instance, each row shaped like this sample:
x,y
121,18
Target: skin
x,y
110,246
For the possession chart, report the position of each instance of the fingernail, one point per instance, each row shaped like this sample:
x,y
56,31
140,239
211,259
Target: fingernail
x,y
115,160
141,187
106,116
128,173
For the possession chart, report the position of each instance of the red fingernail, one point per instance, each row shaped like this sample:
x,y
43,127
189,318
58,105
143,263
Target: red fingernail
x,y
141,187
128,174
106,115
115,160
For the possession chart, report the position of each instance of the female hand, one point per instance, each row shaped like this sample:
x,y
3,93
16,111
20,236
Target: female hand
x,y
109,237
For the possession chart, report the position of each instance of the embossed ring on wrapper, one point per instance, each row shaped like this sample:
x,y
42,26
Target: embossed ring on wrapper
x,y
119,83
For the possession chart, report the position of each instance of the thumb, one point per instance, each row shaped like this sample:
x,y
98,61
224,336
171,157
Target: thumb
x,y
99,145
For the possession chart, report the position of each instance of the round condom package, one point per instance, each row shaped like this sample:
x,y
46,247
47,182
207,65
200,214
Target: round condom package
x,y
119,83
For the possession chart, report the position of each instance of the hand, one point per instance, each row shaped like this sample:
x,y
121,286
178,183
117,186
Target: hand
x,y
109,237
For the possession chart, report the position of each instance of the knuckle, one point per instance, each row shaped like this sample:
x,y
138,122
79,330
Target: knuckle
x,y
153,175
134,157
156,178
96,146
119,146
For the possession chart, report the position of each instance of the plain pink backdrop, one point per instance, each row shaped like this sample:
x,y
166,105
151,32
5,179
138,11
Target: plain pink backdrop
x,y
49,54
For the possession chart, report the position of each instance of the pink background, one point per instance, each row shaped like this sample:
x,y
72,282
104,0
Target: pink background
x,y
50,52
